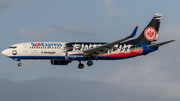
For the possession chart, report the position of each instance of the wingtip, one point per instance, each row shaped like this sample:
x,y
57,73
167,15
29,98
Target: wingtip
x,y
134,32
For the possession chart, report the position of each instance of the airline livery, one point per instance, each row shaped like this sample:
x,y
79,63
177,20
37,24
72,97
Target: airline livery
x,y
63,53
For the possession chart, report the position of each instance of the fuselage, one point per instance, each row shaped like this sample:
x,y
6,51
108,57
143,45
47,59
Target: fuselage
x,y
58,50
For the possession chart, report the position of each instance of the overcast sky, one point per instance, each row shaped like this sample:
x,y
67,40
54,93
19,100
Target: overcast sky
x,y
154,77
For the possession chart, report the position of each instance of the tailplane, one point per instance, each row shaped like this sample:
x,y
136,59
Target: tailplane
x,y
159,44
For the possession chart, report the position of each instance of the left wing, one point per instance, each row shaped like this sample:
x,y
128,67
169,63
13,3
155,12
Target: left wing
x,y
102,49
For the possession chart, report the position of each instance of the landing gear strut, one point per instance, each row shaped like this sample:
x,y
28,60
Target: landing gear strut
x,y
80,66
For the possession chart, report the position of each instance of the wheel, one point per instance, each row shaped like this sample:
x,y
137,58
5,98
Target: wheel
x,y
19,64
81,66
89,63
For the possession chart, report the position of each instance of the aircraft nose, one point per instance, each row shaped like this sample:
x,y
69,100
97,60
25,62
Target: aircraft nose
x,y
5,52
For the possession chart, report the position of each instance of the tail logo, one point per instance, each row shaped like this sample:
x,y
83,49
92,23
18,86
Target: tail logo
x,y
150,33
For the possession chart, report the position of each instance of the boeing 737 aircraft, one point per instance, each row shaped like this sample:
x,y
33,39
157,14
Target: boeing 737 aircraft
x,y
63,53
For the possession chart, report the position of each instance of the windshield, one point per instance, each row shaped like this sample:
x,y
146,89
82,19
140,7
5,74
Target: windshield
x,y
13,47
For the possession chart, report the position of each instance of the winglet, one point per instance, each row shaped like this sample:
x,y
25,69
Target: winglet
x,y
134,32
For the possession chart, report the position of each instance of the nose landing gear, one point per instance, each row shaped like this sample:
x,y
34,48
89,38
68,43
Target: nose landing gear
x,y
19,64
17,59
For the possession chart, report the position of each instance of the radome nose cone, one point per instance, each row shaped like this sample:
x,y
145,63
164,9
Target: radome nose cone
x,y
4,52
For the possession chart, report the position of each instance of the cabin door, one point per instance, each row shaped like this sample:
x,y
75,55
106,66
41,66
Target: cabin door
x,y
25,47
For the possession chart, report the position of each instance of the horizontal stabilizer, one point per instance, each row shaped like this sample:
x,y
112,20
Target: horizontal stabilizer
x,y
160,44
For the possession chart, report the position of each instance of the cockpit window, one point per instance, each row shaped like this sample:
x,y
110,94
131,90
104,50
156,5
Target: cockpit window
x,y
13,47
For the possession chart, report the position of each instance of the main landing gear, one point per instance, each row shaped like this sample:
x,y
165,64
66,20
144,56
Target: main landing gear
x,y
89,63
81,66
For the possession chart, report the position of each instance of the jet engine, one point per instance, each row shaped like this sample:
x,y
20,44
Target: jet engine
x,y
59,62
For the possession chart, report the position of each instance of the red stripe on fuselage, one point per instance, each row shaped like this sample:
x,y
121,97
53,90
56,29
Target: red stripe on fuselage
x,y
131,53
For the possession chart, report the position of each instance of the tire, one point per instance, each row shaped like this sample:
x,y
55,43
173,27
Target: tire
x,y
19,64
89,63
81,66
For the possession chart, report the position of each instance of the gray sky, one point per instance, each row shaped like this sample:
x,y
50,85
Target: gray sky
x,y
154,77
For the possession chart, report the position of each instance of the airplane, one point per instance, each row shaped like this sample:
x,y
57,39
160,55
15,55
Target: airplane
x,y
63,53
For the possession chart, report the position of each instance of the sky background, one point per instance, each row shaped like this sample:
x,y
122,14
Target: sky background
x,y
154,77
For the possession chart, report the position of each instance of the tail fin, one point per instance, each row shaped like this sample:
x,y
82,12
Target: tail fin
x,y
150,33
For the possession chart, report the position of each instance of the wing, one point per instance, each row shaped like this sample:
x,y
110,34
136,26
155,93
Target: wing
x,y
104,48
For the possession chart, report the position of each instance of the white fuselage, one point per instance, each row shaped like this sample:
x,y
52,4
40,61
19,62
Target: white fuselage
x,y
36,50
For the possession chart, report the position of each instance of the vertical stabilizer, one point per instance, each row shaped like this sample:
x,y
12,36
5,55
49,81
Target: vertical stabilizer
x,y
150,33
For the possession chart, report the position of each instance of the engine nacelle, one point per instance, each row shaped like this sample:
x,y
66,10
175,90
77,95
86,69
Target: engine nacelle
x,y
74,56
59,62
